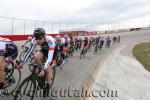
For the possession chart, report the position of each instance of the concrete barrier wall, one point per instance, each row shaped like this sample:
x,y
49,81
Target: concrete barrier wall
x,y
23,37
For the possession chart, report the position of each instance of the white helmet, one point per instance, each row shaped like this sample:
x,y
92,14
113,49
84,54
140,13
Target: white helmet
x,y
58,38
65,36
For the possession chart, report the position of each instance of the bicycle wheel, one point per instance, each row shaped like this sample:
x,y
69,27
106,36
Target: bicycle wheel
x,y
84,52
81,53
12,79
95,50
26,90
106,44
72,53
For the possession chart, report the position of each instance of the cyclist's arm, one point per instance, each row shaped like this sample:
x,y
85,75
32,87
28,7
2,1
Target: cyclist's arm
x,y
50,54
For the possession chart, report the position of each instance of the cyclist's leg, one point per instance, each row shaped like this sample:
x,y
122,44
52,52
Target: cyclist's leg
x,y
2,73
63,52
38,57
84,50
49,74
66,51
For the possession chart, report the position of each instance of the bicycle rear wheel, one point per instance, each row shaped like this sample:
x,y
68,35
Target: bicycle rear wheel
x,y
81,53
12,79
95,50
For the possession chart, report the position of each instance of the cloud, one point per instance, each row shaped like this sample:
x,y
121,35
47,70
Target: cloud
x,y
74,10
116,10
77,11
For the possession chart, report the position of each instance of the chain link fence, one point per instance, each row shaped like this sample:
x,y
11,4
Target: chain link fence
x,y
10,26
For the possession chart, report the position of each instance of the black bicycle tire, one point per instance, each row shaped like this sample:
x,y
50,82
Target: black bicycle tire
x,y
22,84
11,92
81,53
12,70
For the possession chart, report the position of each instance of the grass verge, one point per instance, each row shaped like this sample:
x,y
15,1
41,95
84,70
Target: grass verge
x,y
142,53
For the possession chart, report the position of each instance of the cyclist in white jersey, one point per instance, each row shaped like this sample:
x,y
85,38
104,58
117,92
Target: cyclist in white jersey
x,y
8,52
47,44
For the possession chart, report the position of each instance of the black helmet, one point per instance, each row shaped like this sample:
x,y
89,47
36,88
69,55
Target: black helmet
x,y
39,33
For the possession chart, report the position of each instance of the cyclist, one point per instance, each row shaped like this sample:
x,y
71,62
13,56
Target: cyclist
x,y
66,46
47,44
76,43
90,43
59,49
101,42
28,41
97,40
80,43
72,43
85,44
114,39
108,41
8,53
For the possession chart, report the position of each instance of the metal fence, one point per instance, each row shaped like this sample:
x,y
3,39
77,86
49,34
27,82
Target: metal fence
x,y
10,26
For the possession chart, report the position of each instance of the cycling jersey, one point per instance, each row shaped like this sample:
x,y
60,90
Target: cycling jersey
x,y
8,49
76,41
59,47
63,41
85,43
72,41
80,41
67,42
97,40
47,49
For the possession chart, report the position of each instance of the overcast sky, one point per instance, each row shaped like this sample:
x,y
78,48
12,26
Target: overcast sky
x,y
75,10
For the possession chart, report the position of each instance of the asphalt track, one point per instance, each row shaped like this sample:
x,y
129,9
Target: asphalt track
x,y
122,77
80,74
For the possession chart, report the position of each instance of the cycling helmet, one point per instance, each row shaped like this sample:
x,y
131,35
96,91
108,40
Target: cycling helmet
x,y
86,38
58,38
66,36
71,37
39,33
